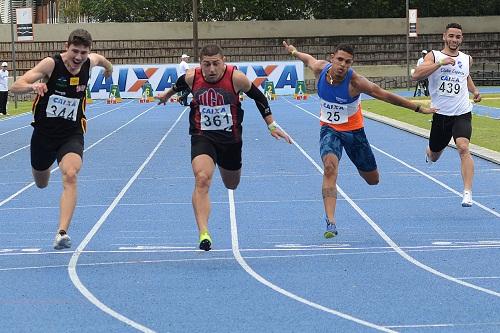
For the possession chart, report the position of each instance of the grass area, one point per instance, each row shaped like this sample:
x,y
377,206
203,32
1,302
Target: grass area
x,y
22,107
484,130
491,100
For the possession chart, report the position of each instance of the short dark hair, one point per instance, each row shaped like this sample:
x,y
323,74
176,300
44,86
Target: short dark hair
x,y
211,50
453,25
346,48
80,37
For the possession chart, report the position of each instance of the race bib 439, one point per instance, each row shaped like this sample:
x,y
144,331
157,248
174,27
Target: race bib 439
x,y
449,88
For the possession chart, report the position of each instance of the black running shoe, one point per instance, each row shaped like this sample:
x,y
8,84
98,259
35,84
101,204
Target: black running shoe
x,y
205,241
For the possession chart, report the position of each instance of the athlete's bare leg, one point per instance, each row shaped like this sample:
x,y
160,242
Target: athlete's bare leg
x,y
329,186
70,165
466,162
203,170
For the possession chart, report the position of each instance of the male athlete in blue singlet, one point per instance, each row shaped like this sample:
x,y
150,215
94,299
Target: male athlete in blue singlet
x,y
339,89
449,85
215,126
59,112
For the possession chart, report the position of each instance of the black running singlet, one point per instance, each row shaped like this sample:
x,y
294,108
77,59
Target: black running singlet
x,y
61,111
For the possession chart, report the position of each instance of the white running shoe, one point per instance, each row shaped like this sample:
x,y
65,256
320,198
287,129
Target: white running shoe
x,y
62,242
427,159
467,199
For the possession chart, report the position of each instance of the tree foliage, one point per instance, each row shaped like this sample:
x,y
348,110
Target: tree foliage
x,y
70,10
245,10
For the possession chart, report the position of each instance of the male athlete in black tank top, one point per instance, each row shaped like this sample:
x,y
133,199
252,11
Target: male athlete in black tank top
x,y
59,83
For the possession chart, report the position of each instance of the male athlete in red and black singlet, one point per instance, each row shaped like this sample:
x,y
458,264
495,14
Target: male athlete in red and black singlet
x,y
215,126
216,111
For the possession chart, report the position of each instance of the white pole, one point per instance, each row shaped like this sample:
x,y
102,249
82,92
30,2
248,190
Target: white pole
x,y
408,81
13,48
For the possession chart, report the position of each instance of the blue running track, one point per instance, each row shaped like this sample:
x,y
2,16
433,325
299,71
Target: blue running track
x,y
408,257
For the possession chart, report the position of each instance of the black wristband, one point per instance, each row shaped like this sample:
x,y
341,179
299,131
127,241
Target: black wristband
x,y
260,100
180,84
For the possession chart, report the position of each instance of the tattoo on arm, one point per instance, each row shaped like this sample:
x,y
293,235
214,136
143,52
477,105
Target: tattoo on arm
x,y
329,192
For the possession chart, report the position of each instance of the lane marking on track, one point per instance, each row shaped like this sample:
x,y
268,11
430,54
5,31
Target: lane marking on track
x,y
387,239
491,211
26,146
4,201
26,126
255,275
79,250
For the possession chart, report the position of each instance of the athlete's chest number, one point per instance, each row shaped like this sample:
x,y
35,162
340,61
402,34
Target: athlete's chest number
x,y
333,117
212,122
62,107
216,118
449,88
333,114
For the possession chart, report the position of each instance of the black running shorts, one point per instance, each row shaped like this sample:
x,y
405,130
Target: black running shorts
x,y
45,150
225,155
445,127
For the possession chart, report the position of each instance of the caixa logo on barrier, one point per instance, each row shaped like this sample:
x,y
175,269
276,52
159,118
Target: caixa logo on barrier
x,y
131,78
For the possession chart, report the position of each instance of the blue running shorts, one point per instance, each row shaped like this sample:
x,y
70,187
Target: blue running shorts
x,y
354,143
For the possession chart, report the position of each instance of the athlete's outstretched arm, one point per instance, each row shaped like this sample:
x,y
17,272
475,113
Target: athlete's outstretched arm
x,y
363,85
28,82
314,64
242,83
99,60
184,82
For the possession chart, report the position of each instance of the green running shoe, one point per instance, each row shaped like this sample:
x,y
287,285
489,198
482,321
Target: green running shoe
x,y
205,241
331,230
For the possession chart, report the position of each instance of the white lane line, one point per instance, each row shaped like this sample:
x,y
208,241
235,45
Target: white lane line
x,y
112,263
16,116
15,129
13,152
3,202
76,255
391,243
130,204
493,323
24,147
150,248
480,278
255,275
437,181
156,247
416,170
22,127
260,257
90,108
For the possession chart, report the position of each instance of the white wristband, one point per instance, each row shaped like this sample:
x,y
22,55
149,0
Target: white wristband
x,y
272,126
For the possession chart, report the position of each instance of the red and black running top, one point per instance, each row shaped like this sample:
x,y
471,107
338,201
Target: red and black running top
x,y
216,111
